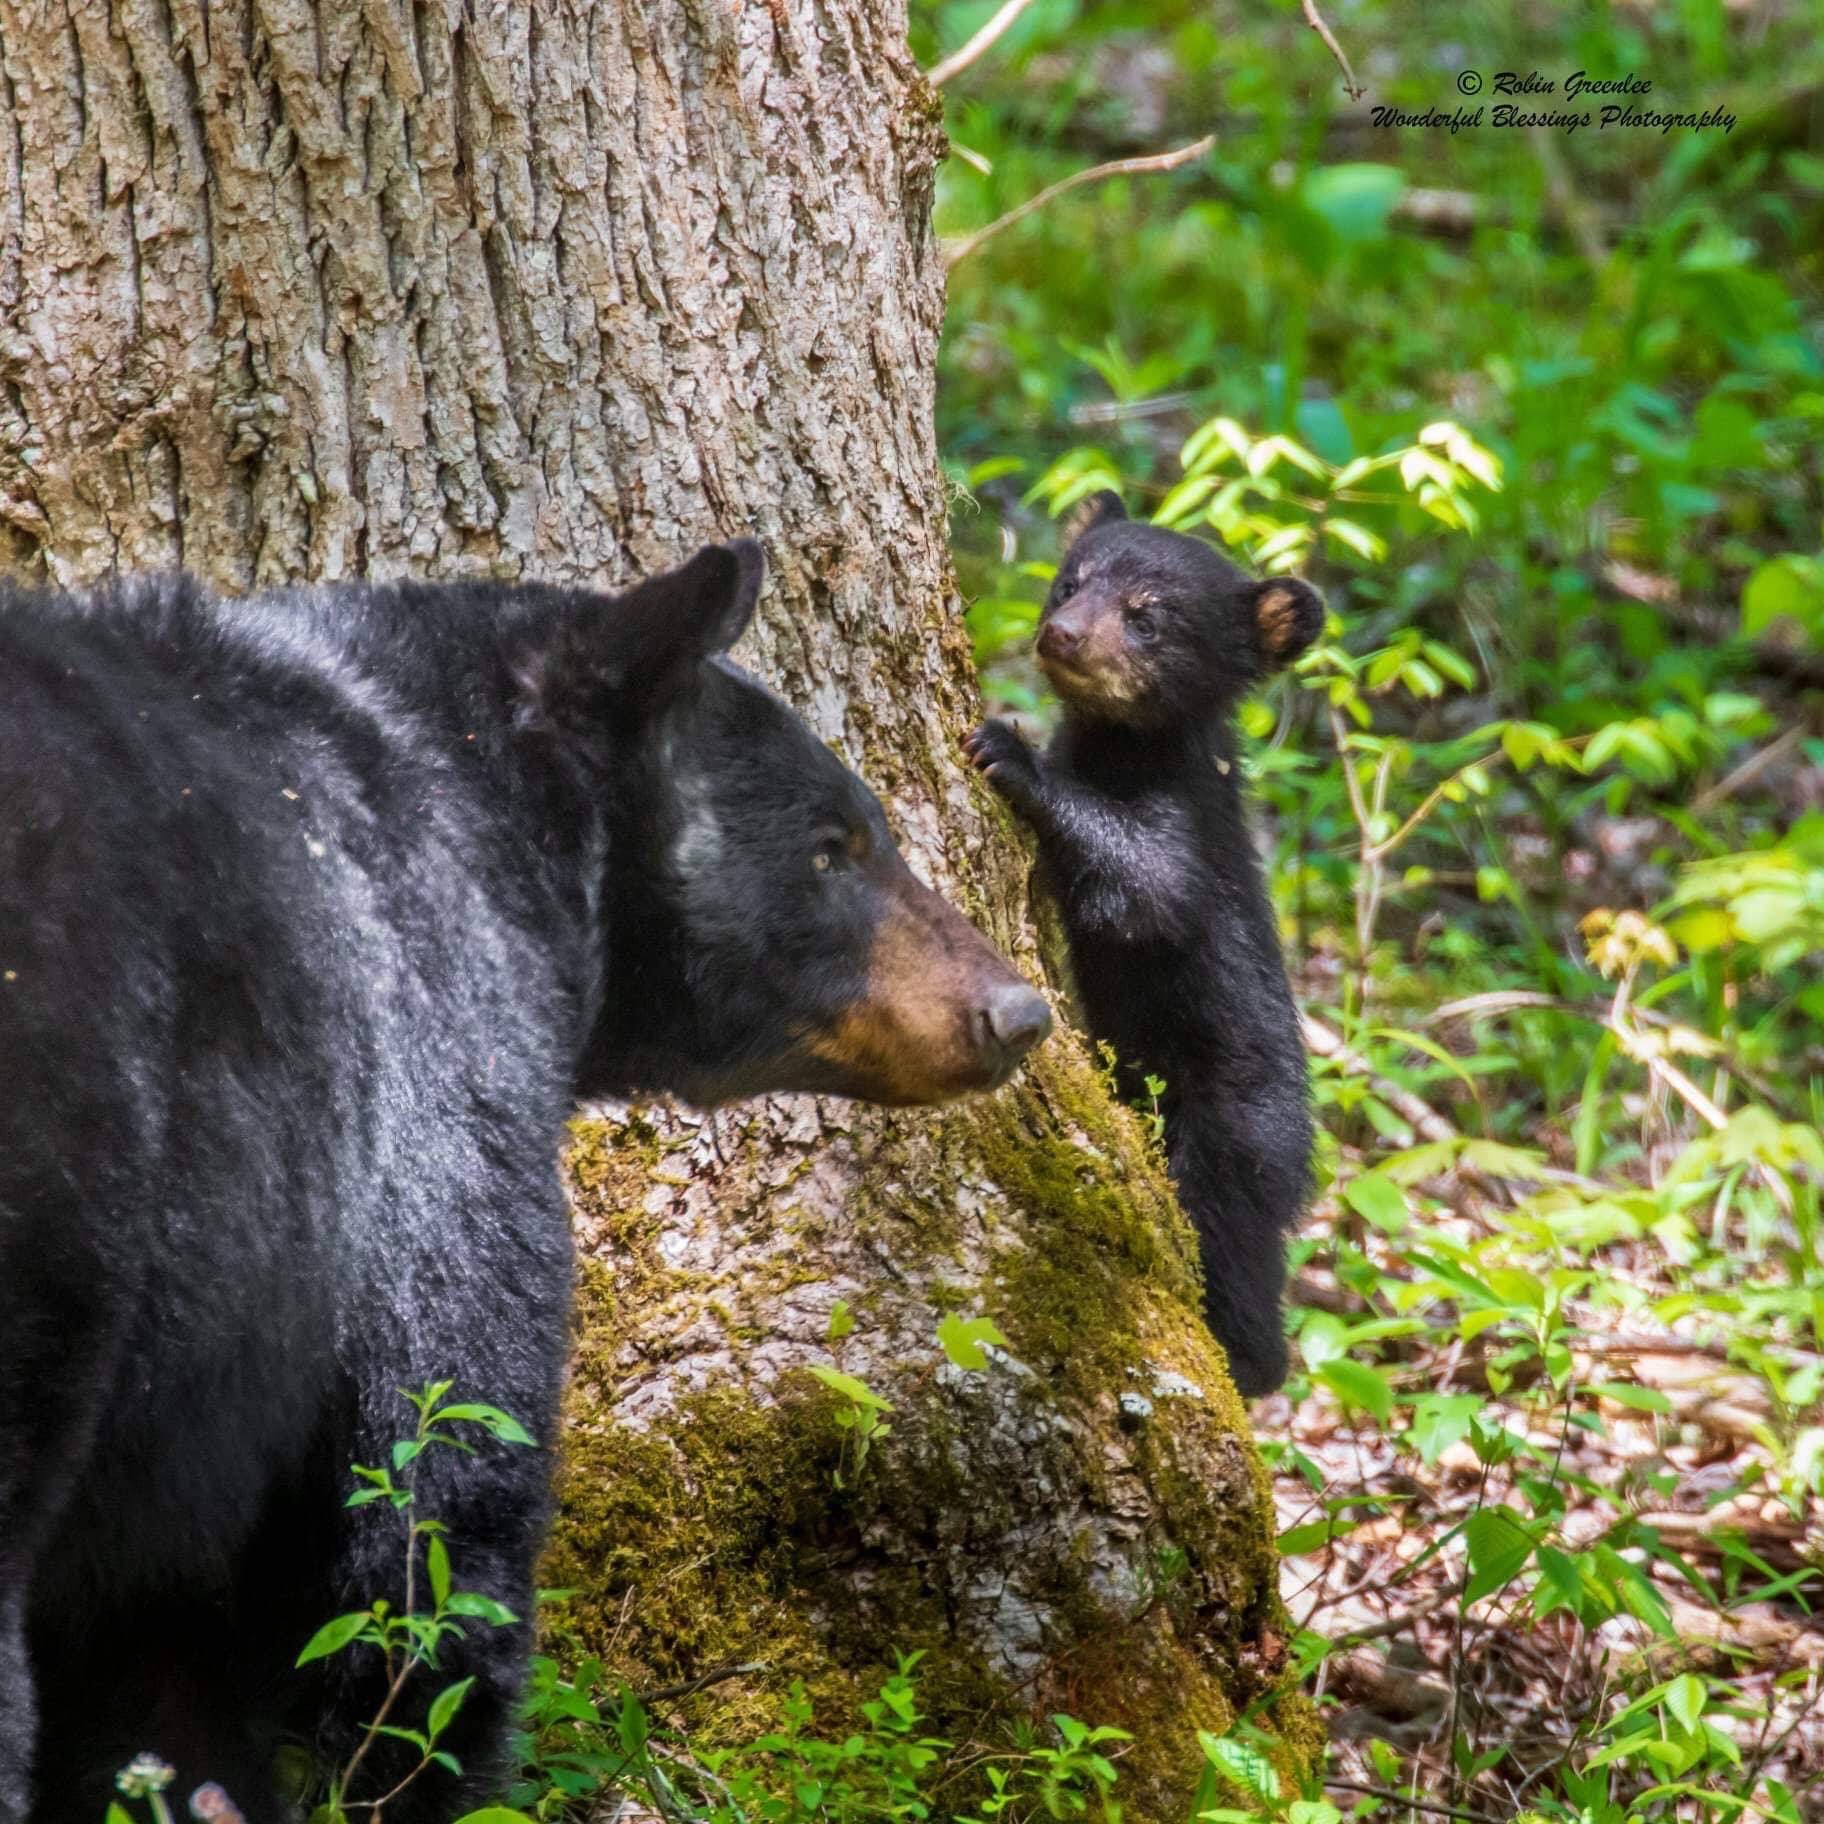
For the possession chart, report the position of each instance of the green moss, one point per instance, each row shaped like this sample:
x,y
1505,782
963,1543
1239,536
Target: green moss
x,y
718,1537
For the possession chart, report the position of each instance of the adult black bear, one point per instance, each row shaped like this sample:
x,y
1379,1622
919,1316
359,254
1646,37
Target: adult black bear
x,y
1150,639
317,913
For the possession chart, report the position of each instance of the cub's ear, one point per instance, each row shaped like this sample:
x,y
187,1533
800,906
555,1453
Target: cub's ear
x,y
604,654
1288,616
1094,510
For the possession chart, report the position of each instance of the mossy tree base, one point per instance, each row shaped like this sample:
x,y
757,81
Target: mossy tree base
x,y
1080,1525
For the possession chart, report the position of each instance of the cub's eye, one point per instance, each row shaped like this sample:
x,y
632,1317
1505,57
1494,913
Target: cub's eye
x,y
1143,627
829,854
1064,589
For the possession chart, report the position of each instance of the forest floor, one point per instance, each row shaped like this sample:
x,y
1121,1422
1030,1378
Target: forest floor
x,y
1653,1429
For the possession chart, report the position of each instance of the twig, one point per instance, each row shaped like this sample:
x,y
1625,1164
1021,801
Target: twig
x,y
1398,1624
1749,770
1315,20
958,61
1412,1804
964,245
1510,1000
721,1676
1417,1114
1368,876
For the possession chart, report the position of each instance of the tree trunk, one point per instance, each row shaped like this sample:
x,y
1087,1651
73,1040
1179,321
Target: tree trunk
x,y
560,289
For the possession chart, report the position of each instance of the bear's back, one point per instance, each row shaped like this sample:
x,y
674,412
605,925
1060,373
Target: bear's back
x,y
259,1009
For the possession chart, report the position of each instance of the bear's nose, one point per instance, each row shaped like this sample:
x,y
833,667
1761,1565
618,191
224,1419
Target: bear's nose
x,y
1011,1021
1058,639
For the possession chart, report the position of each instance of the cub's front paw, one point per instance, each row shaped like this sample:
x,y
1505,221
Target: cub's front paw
x,y
999,751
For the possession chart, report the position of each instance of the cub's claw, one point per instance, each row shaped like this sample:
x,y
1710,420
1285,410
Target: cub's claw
x,y
1000,753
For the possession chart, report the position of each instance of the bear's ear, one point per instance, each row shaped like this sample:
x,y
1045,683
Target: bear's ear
x,y
637,650
673,621
1095,510
1288,616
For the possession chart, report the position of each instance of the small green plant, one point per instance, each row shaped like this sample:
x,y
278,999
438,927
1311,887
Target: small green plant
x,y
408,1638
861,1417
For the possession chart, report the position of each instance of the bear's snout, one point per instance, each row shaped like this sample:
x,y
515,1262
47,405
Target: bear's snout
x,y
1011,1020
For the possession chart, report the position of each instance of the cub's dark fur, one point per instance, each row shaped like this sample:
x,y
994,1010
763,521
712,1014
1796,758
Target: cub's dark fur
x,y
317,914
1151,638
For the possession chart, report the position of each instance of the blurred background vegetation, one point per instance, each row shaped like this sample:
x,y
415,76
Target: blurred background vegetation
x,y
1543,413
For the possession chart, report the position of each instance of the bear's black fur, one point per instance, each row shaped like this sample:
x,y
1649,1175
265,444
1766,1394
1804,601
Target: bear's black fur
x,y
1151,638
317,913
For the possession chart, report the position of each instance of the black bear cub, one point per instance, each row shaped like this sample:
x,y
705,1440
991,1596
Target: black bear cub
x,y
1151,639
318,912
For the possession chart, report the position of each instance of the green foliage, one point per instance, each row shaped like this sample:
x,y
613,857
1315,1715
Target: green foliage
x,y
584,1734
408,1639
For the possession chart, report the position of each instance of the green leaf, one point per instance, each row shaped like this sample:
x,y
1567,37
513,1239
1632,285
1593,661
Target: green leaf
x,y
481,1608
445,1705
1440,1420
1369,546
1641,1399
501,1425
1185,500
1242,1763
842,1321
1359,1385
437,1562
1355,200
495,1814
1789,589
1498,1544
1296,1541
333,1636
961,1339
859,1392
1685,1699
1377,1200
1322,1337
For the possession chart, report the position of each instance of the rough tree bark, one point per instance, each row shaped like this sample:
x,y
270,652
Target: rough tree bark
x,y
561,288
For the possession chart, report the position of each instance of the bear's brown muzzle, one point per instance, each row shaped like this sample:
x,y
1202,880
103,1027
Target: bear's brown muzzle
x,y
942,1013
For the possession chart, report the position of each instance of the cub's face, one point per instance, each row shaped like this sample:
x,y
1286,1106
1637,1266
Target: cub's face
x,y
1150,628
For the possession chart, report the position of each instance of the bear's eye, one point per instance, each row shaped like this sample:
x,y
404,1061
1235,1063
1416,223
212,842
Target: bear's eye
x,y
1064,589
831,853
1142,626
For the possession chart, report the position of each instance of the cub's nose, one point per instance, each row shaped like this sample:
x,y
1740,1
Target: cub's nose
x,y
1012,1020
1058,640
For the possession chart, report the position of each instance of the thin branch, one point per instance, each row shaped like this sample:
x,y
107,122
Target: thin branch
x,y
1415,1112
964,245
1315,20
1749,770
1405,1618
958,61
721,1675
1412,1804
